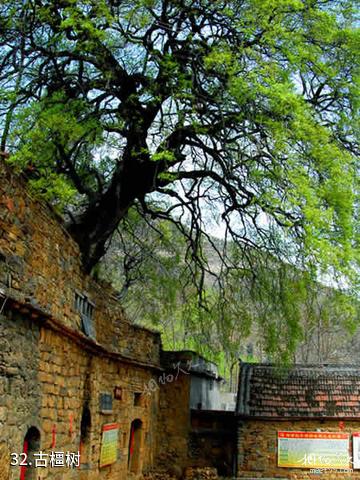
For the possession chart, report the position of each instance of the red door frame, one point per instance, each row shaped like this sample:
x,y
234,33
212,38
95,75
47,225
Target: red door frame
x,y
23,467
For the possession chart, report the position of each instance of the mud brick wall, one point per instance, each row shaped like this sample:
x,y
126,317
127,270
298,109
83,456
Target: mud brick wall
x,y
40,265
257,448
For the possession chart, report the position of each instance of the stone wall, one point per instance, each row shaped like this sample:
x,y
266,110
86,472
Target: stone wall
x,y
47,380
190,438
174,421
40,265
20,392
51,372
257,448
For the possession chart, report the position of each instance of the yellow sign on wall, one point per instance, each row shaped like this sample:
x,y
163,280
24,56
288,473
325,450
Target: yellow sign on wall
x,y
313,450
109,444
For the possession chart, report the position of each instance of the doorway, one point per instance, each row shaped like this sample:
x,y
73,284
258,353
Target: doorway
x,y
31,446
134,454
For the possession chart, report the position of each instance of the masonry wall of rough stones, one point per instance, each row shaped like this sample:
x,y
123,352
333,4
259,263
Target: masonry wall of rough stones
x,y
20,392
51,372
257,448
40,264
173,422
47,380
190,438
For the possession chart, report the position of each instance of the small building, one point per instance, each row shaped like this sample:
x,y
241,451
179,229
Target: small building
x,y
73,369
195,430
205,384
297,423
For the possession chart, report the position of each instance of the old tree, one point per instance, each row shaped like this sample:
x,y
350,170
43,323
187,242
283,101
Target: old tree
x,y
184,110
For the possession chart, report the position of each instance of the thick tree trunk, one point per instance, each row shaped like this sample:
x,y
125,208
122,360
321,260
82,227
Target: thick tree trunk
x,y
94,229
132,180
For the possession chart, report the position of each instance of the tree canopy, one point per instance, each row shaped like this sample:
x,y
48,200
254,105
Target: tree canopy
x,y
244,111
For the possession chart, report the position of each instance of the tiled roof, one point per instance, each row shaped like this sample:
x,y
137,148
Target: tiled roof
x,y
302,391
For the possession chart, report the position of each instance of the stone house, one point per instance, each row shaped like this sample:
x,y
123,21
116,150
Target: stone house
x,y
94,394
298,423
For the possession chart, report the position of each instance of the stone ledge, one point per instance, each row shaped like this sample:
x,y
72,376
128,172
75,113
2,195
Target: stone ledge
x,y
15,302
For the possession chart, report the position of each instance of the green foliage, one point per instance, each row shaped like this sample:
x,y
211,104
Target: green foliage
x,y
245,110
271,305
47,132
